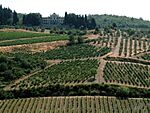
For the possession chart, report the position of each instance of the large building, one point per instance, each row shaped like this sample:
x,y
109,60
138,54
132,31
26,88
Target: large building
x,y
52,20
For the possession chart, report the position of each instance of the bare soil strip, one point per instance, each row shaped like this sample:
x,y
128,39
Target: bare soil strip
x,y
116,49
100,69
142,48
122,54
128,48
147,45
138,47
38,47
132,48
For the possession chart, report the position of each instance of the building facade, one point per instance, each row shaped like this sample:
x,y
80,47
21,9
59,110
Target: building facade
x,y
52,20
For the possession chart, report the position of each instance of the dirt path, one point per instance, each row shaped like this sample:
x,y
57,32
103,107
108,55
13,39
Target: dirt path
x,y
132,48
128,48
141,53
100,73
142,48
123,49
138,47
27,76
147,45
116,49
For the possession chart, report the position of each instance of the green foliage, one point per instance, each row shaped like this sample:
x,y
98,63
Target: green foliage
x,y
34,40
15,18
75,51
32,19
10,35
123,59
79,22
72,39
146,56
77,90
133,74
5,16
65,72
120,21
13,66
80,39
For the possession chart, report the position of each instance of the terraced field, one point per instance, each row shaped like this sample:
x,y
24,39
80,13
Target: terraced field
x,y
17,34
78,66
109,42
65,72
146,56
89,104
34,40
75,52
130,47
127,73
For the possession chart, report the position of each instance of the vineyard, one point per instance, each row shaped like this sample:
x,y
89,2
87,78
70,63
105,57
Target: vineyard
x,y
85,75
14,34
83,104
146,56
63,73
34,40
130,47
14,66
127,73
75,52
105,41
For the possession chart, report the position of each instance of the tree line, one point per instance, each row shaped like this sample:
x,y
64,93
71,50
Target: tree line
x,y
79,21
7,16
77,90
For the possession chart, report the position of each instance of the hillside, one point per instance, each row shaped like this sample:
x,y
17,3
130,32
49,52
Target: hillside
x,y
120,21
105,70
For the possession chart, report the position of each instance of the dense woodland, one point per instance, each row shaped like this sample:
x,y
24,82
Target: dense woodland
x,y
7,16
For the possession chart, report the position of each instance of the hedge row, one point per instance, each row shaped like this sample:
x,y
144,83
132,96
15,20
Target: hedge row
x,y
77,90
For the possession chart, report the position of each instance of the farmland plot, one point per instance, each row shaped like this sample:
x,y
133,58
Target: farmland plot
x,y
82,104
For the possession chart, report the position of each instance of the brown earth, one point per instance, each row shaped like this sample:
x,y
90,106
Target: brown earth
x,y
38,47
92,36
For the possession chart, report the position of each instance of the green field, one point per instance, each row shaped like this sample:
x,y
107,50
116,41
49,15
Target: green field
x,y
83,104
75,51
10,35
127,73
34,40
65,72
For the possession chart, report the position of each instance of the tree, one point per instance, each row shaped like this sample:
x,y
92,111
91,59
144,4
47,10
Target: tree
x,y
72,39
5,16
32,19
80,39
15,18
91,23
65,19
79,21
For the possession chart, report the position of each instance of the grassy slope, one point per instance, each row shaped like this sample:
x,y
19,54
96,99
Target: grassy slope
x,y
34,40
10,35
121,21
